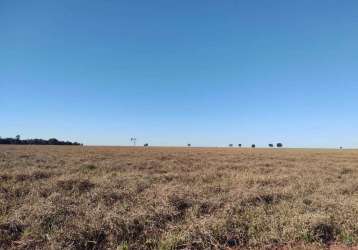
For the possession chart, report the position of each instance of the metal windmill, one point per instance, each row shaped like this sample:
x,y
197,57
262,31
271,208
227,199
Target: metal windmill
x,y
134,141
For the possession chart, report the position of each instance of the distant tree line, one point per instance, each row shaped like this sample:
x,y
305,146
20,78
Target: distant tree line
x,y
52,141
271,145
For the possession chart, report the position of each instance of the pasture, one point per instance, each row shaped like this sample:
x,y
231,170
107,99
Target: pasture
x,y
68,197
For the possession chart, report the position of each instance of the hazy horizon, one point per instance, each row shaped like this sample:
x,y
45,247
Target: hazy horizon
x,y
140,143
207,73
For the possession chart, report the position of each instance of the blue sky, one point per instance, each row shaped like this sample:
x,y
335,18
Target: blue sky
x,y
207,72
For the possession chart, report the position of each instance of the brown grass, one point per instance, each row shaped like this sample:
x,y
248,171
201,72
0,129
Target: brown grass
x,y
61,197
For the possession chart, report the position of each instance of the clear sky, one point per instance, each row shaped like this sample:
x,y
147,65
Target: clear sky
x,y
169,72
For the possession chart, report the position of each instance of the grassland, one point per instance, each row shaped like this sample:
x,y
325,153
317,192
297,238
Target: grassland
x,y
59,197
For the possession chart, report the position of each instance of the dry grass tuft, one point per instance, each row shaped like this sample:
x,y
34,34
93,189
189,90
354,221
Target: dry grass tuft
x,y
75,185
10,232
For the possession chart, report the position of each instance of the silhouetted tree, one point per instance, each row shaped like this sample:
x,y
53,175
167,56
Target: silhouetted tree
x,y
54,141
231,145
240,145
253,146
271,145
146,145
189,145
279,145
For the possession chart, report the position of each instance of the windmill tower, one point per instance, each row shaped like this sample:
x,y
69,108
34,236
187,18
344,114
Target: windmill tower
x,y
134,141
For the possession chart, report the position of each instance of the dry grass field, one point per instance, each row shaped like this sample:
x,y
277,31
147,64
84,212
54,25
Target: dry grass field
x,y
64,197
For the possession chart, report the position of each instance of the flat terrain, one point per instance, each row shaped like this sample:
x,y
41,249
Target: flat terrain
x,y
64,197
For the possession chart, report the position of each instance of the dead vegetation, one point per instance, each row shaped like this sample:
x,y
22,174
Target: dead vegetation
x,y
177,198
